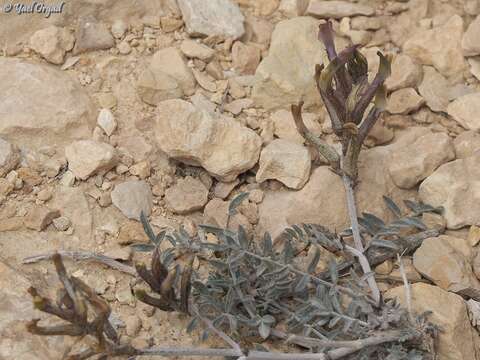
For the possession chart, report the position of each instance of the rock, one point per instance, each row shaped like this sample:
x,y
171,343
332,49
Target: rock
x,y
380,134
293,8
410,165
193,49
62,223
237,106
322,199
44,195
223,189
214,17
216,213
186,196
119,28
473,237
439,47
204,80
6,187
475,67
470,41
466,144
404,101
132,232
170,24
435,89
286,75
465,111
405,73
42,94
9,157
217,143
434,221
256,196
167,77
141,169
107,121
445,260
337,9
132,197
133,324
39,217
88,157
457,340
92,35
245,58
454,186
11,224
285,161
257,30
366,23
266,7
285,127
68,179
52,43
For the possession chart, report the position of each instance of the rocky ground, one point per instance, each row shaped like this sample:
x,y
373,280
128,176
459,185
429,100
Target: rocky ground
x,y
173,108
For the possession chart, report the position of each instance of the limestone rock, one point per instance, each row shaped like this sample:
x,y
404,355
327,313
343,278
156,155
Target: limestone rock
x,y
52,43
337,9
445,260
193,49
286,75
457,340
410,165
167,77
223,189
42,100
119,28
245,58
92,35
9,157
106,121
435,89
213,17
132,232
293,7
132,197
475,67
39,217
322,199
466,144
454,186
465,111
404,101
216,213
440,47
219,144
285,161
186,196
405,73
88,157
257,30
471,41
285,127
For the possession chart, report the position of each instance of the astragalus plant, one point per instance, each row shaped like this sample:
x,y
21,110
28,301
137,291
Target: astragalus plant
x,y
255,294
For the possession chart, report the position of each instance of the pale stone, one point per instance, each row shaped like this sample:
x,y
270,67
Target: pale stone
x,y
62,223
219,144
186,196
467,144
440,47
337,9
412,164
405,73
445,260
435,89
245,58
457,340
471,41
92,35
475,67
465,111
285,127
133,197
473,237
293,7
213,17
455,186
193,49
223,189
285,161
42,100
286,75
166,77
39,217
52,43
257,30
106,121
88,157
366,23
9,157
404,101
119,28
132,232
